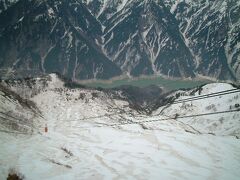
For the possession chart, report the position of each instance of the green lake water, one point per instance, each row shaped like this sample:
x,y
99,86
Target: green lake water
x,y
169,84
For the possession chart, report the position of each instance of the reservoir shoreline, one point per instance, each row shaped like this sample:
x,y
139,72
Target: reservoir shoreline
x,y
143,81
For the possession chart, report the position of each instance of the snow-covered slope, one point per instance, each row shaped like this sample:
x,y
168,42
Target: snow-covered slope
x,y
97,135
17,114
108,153
205,101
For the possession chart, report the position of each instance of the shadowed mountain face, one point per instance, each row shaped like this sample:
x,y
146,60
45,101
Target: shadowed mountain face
x,y
43,37
105,38
141,99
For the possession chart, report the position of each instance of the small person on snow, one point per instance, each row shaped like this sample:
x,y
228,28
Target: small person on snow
x,y
46,128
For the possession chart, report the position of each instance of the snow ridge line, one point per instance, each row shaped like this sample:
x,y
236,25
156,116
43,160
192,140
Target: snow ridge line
x,y
175,102
207,96
140,122
115,114
156,120
177,117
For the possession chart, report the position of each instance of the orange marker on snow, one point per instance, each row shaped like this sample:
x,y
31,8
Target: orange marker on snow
x,y
46,128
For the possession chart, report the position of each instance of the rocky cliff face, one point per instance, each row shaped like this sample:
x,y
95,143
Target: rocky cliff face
x,y
54,36
105,38
211,32
5,4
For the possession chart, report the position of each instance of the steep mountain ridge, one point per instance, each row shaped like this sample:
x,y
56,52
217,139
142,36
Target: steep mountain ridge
x,y
211,31
52,37
151,45
105,38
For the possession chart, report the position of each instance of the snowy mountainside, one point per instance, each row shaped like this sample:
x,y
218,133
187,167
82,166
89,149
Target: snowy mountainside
x,y
214,124
211,31
152,45
101,39
97,134
16,113
50,94
40,37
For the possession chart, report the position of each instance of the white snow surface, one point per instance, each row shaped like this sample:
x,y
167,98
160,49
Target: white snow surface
x,y
79,146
